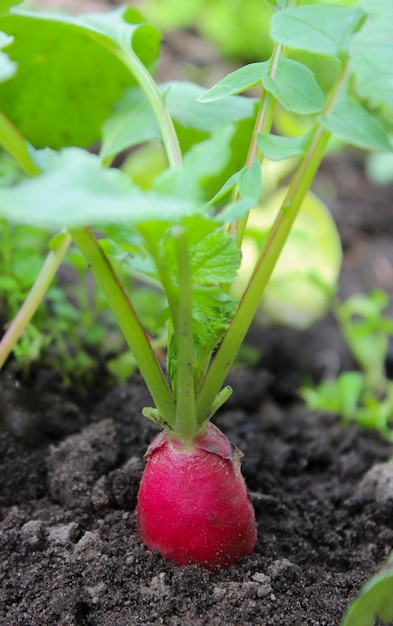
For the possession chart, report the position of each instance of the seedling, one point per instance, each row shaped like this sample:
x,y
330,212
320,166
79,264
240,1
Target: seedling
x,y
364,396
184,233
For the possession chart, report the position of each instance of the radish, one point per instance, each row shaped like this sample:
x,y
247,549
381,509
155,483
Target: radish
x,y
193,505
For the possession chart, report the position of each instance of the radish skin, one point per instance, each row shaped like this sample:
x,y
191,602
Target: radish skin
x,y
193,505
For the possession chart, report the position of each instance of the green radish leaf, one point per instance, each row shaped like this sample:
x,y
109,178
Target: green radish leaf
x,y
349,389
236,82
7,4
125,29
249,183
372,56
7,283
131,258
226,188
182,101
293,85
133,123
321,29
204,161
215,259
277,148
57,96
56,241
212,311
374,601
77,190
352,123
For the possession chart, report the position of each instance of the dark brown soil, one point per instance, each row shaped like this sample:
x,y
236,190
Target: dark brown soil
x,y
70,553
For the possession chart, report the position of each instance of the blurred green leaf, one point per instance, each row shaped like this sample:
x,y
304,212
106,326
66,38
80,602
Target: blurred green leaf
x,y
184,102
372,56
7,4
249,182
293,85
7,283
352,123
76,190
57,96
204,161
236,82
276,147
316,28
132,123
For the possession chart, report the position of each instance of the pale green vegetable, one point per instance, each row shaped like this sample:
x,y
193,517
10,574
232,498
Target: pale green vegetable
x,y
304,280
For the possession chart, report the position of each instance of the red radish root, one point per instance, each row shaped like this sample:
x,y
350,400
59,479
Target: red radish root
x,y
193,505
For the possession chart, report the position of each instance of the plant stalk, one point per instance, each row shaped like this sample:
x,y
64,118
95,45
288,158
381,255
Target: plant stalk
x,y
34,298
154,97
16,145
252,296
185,424
263,123
299,186
128,321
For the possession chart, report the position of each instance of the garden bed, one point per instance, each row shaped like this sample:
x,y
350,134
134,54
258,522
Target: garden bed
x,y
71,466
70,551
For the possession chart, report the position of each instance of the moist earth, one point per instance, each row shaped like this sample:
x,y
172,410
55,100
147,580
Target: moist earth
x,y
69,548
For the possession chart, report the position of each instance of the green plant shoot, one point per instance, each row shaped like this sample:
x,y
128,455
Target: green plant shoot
x,y
182,233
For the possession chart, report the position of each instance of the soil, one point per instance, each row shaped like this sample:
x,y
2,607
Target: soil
x,y
70,468
70,552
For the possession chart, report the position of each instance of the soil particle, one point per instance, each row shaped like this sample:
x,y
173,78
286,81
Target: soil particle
x,y
377,485
79,461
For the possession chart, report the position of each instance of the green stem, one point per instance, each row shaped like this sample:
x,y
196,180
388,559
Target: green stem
x,y
249,303
6,247
263,123
163,271
16,145
34,298
185,424
151,91
252,296
154,97
128,321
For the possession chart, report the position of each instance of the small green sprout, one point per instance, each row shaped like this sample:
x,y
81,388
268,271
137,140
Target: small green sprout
x,y
364,396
